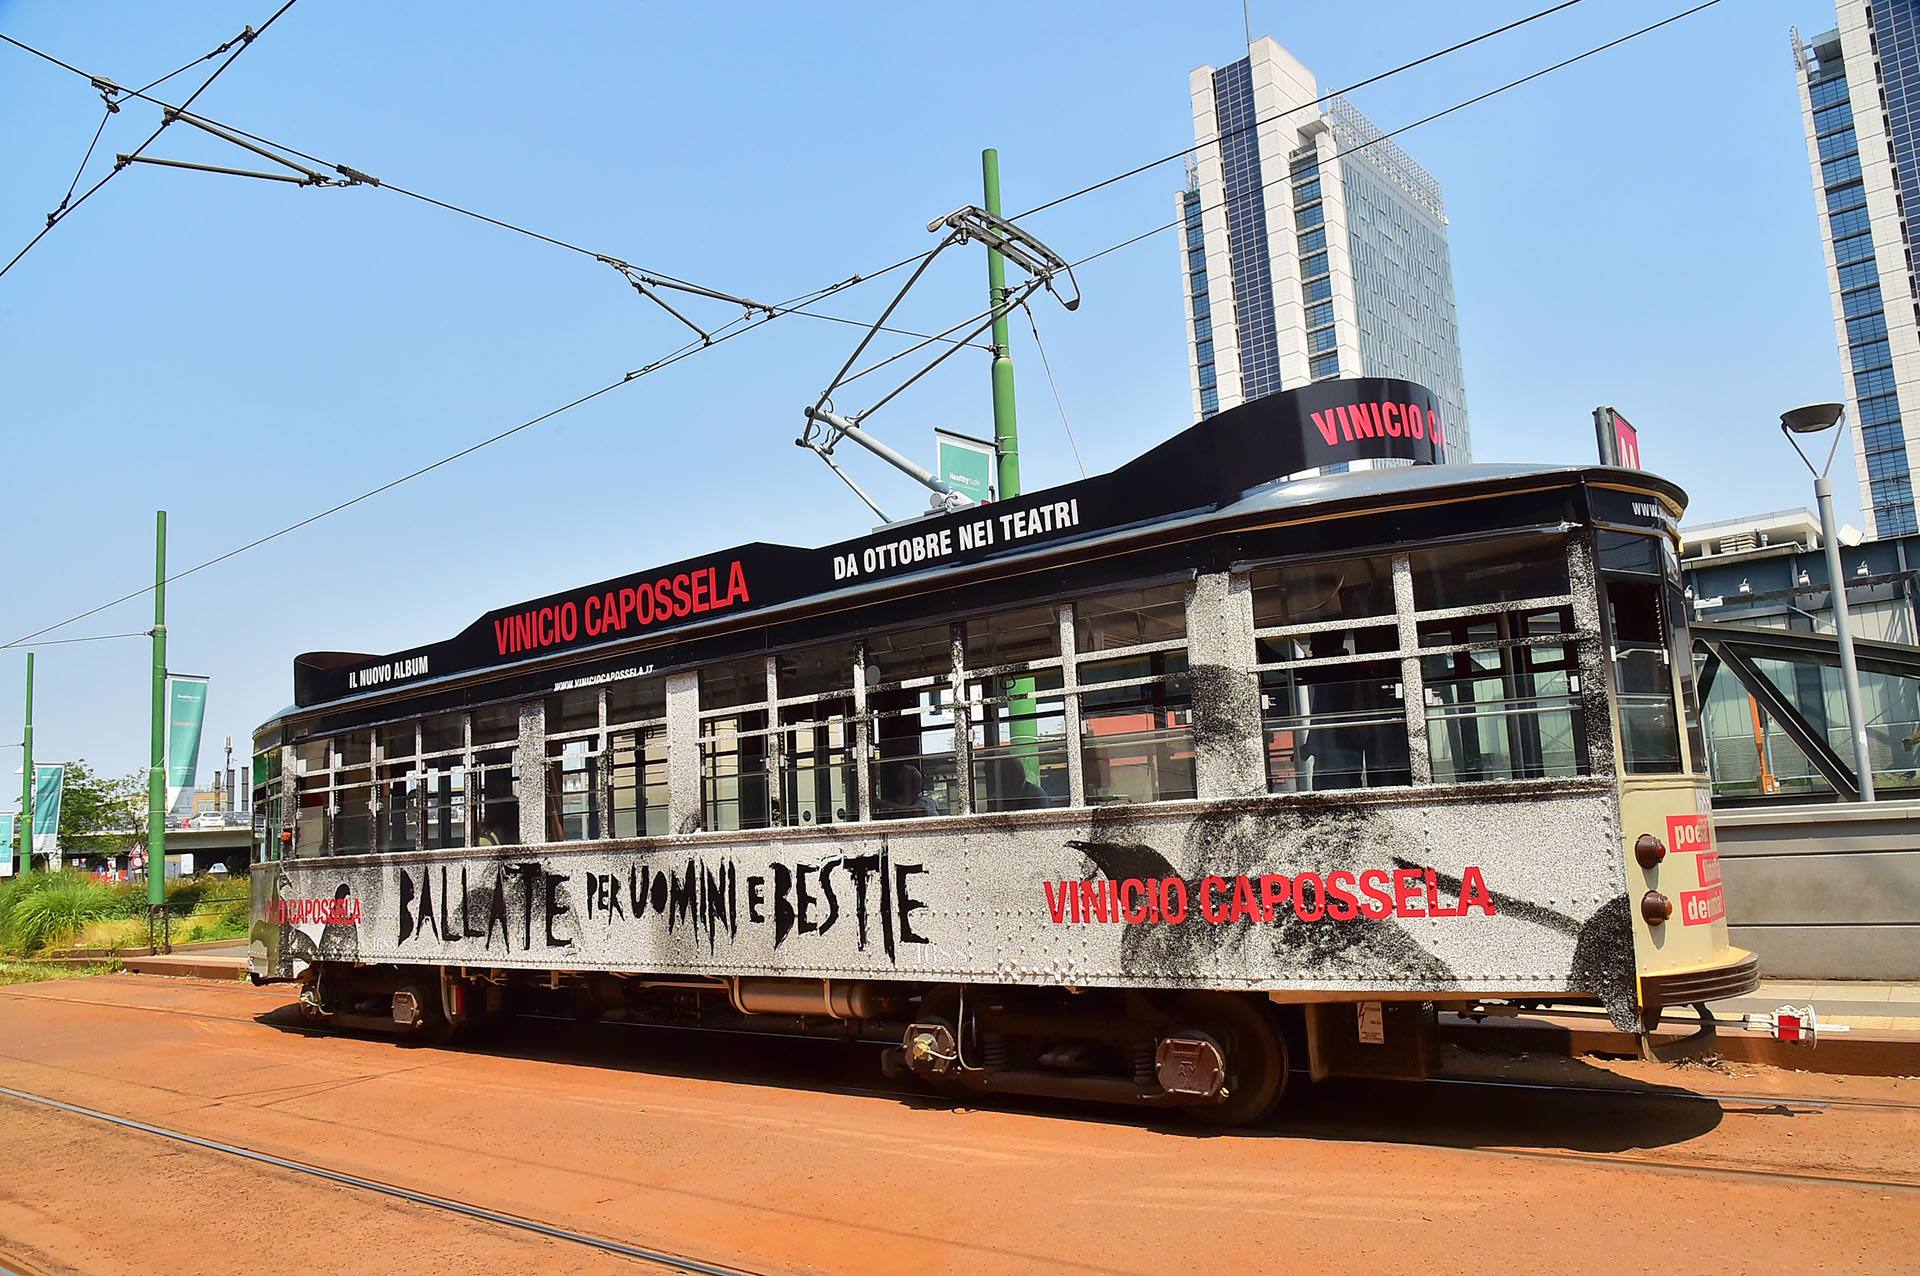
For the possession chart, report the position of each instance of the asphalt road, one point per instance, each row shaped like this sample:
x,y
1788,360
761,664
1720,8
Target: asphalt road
x,y
778,1156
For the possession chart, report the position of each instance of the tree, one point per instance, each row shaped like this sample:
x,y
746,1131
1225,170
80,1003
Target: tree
x,y
99,814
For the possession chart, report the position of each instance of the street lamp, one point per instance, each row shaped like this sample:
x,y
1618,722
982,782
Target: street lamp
x,y
1812,419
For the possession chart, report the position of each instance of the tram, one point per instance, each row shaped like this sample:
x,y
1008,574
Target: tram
x,y
1257,751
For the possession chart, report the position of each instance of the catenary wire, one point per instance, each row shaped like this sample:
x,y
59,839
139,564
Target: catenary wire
x,y
120,167
1283,112
355,175
570,246
1047,366
113,106
1425,119
745,325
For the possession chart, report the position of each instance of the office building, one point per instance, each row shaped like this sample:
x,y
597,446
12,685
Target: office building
x,y
1313,247
1860,102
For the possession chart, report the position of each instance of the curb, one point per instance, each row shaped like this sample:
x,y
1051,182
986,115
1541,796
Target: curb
x,y
1852,1054
226,969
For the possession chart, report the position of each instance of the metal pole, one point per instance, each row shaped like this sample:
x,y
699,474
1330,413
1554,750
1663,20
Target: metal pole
x,y
1006,429
1023,728
26,782
1843,631
157,741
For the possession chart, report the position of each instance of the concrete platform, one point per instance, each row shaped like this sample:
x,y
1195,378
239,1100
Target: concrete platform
x,y
227,962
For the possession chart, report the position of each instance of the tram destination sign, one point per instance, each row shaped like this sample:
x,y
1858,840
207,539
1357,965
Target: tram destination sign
x,y
1203,467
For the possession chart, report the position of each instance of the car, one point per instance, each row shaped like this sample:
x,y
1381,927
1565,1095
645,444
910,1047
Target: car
x,y
209,820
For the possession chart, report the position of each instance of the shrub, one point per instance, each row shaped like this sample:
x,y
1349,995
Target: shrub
x,y
44,908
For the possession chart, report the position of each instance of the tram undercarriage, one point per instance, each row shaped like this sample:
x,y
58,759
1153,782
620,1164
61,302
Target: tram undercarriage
x,y
1223,1058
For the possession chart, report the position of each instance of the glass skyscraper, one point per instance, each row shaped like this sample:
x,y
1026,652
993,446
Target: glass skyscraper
x,y
1860,100
1313,248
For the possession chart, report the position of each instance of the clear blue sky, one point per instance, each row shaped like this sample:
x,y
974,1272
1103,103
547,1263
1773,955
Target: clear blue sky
x,y
1638,230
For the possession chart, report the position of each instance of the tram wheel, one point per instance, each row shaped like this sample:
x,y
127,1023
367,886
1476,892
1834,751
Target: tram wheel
x,y
1256,1055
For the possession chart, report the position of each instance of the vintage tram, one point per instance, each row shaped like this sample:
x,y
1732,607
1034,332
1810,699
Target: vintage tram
x,y
1274,740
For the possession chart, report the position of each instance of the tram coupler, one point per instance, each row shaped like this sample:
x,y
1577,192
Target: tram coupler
x,y
1796,1024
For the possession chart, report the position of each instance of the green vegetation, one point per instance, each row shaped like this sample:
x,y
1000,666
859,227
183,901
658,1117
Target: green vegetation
x,y
20,972
54,910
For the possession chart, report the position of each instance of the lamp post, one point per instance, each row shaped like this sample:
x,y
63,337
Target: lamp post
x,y
1812,419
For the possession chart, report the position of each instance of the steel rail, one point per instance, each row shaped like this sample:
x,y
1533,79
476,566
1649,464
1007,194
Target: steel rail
x,y
657,1257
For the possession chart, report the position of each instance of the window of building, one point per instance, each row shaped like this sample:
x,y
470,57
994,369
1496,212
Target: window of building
x,y
1324,365
1313,240
1320,314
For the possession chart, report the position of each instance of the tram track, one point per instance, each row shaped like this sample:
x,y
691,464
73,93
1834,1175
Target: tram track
x,y
656,1258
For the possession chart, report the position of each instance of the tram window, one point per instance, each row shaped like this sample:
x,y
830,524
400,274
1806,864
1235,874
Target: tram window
x,y
637,700
266,804
573,711
443,733
1032,633
397,789
310,824
912,767
311,757
1338,726
637,756
639,774
496,724
443,808
1309,593
735,789
1136,725
1486,573
1130,619
574,766
1643,680
353,820
1017,723
497,812
1625,552
573,788
817,782
1502,713
353,749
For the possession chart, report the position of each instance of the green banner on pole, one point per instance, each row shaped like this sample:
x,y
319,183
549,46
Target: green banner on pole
x,y
9,829
966,465
186,713
49,782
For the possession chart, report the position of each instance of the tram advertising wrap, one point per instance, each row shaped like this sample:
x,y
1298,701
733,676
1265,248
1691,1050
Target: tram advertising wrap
x,y
1201,468
1355,892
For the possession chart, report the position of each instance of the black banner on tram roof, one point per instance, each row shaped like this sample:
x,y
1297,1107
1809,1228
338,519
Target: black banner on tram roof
x,y
1205,466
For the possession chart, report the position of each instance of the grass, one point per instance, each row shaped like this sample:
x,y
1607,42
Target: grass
x,y
20,972
52,910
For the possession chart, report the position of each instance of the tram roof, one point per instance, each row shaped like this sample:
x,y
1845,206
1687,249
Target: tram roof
x,y
1192,485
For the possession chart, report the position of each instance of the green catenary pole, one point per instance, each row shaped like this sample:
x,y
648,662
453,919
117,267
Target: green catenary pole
x,y
26,782
1023,728
1006,429
157,744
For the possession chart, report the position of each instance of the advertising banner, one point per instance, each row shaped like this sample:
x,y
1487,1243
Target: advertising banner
x,y
966,465
186,714
49,782
9,826
1619,440
1205,466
